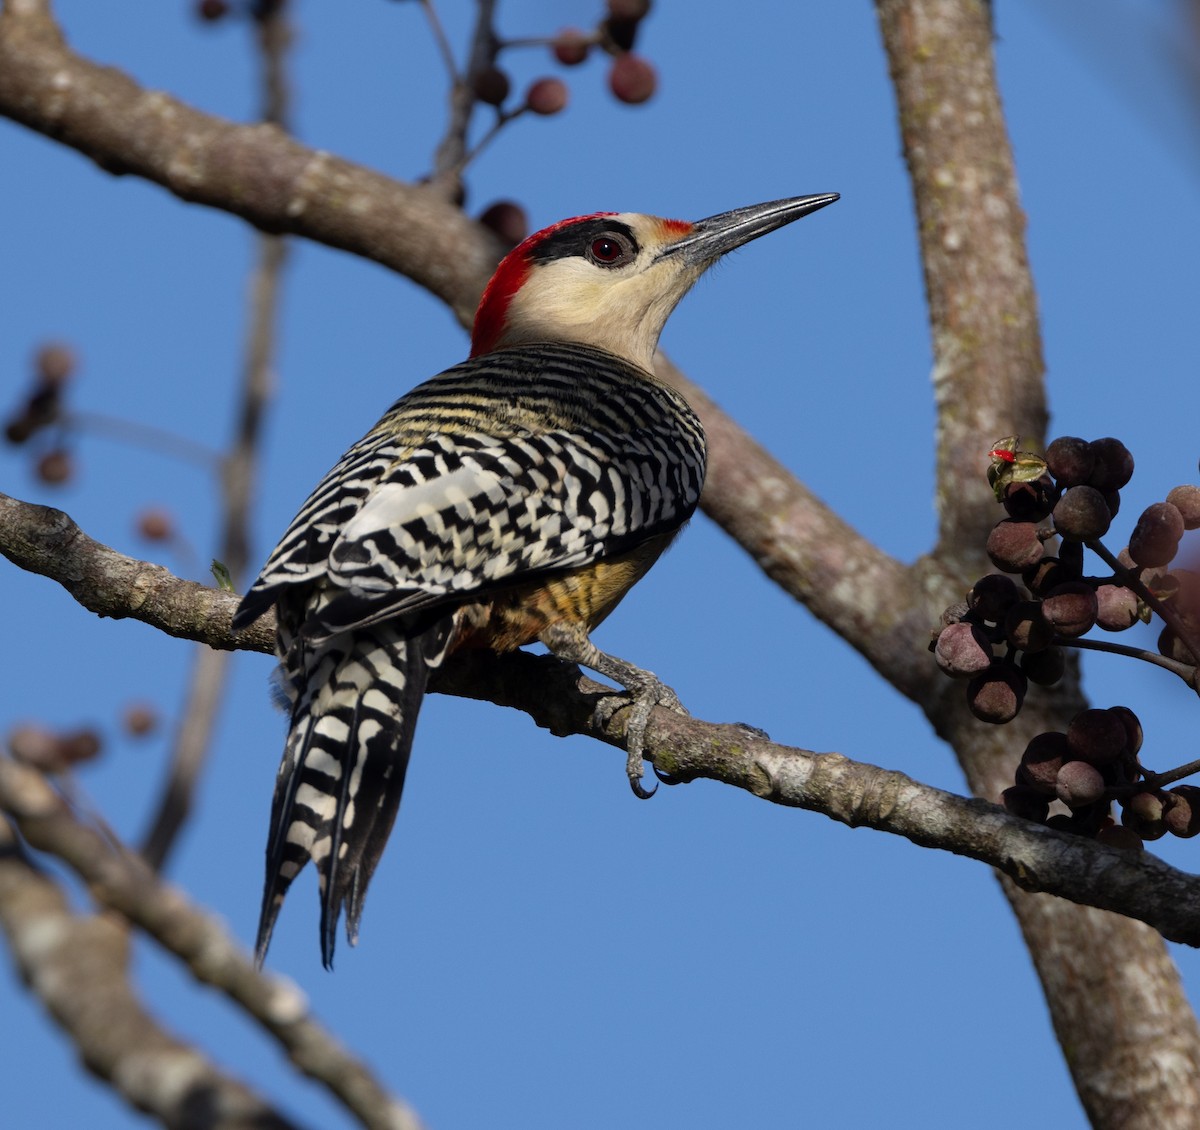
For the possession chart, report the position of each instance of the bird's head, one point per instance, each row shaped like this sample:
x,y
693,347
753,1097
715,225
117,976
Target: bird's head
x,y
611,279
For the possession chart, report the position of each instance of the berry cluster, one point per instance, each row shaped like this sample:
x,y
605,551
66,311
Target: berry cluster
x,y
1006,634
1094,763
38,419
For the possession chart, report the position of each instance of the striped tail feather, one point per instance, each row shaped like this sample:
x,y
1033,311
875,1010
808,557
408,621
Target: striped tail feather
x,y
354,713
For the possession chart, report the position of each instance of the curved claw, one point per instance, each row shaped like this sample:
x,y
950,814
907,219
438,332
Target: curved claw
x,y
639,790
665,777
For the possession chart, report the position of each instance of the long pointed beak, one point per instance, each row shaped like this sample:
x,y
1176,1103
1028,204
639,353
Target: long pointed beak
x,y
710,239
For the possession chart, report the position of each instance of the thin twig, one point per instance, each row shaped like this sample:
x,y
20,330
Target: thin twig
x,y
210,670
143,435
440,38
1183,670
452,153
1131,579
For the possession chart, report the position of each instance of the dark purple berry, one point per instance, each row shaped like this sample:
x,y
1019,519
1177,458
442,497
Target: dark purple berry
x,y
1014,546
1071,609
996,695
1186,499
1081,514
1156,536
1070,460
1097,736
1025,628
992,596
1116,608
1113,466
1079,783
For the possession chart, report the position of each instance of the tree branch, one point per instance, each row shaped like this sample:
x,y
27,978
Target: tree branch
x,y
122,880
78,965
557,698
988,383
254,171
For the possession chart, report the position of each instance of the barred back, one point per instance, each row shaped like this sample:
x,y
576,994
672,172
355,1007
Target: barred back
x,y
527,462
532,459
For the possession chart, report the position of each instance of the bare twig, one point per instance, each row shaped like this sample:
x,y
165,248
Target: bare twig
x,y
198,721
257,172
143,435
1184,670
452,152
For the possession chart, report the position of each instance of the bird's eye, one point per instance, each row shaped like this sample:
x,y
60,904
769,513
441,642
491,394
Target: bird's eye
x,y
607,250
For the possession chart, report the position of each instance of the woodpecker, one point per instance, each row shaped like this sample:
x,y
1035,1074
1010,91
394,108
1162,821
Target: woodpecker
x,y
513,498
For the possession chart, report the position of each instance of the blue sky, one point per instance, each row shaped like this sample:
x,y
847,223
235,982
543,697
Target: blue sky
x,y
539,947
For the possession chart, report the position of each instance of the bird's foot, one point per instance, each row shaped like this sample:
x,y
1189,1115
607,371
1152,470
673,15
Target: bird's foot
x,y
642,695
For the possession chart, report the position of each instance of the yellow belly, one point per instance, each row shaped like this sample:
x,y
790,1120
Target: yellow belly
x,y
517,615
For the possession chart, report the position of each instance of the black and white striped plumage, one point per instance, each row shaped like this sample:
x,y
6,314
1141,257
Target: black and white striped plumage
x,y
515,497
522,463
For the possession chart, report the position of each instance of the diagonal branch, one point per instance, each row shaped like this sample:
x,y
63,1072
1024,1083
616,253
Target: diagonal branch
x,y
78,964
254,171
123,881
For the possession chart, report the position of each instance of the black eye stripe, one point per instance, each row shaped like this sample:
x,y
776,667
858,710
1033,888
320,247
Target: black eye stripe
x,y
579,238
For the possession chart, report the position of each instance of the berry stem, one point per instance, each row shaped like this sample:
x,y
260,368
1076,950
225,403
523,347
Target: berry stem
x,y
1183,670
1131,579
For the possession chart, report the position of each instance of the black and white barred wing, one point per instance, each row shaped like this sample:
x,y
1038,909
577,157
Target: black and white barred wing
x,y
393,530
453,519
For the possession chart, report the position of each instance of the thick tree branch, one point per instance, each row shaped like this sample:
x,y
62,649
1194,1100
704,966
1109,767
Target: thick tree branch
x,y
554,695
988,383
79,967
123,881
982,308
253,171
